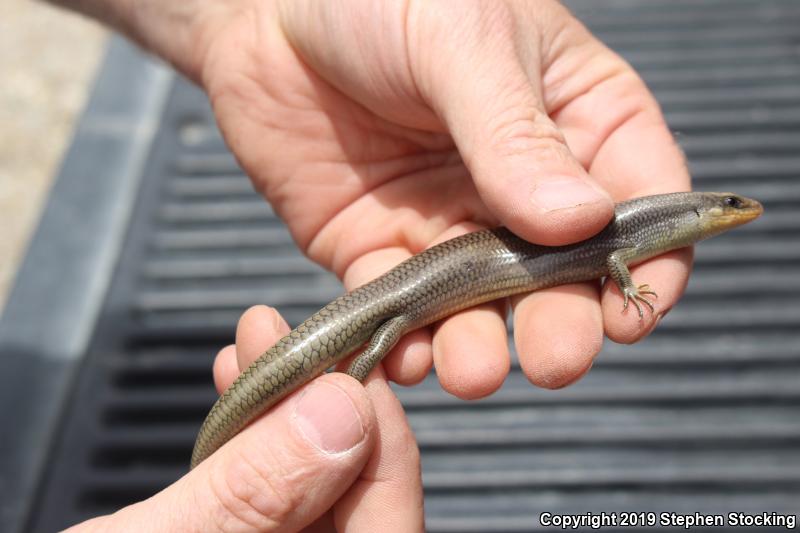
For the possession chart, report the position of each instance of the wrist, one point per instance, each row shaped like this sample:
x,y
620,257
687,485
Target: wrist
x,y
178,32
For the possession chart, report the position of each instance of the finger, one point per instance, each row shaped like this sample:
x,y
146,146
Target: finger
x,y
558,332
259,328
657,167
629,149
411,359
470,348
287,468
611,121
470,351
388,494
667,276
495,111
324,524
280,474
225,369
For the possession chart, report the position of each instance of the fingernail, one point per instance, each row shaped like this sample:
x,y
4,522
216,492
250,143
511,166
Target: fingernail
x,y
657,320
564,192
328,419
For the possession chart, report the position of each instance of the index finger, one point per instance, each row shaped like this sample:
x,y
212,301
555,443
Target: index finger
x,y
617,130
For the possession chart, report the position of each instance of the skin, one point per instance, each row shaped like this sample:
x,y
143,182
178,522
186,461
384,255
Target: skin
x,y
377,129
368,150
241,490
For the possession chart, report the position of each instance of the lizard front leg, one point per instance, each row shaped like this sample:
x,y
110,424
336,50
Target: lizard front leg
x,y
617,262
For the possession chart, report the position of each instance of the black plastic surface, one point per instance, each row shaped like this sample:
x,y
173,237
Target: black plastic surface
x,y
703,416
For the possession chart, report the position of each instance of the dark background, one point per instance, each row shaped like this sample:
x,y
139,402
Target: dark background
x,y
153,244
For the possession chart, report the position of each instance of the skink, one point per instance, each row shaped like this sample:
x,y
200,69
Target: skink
x,y
457,274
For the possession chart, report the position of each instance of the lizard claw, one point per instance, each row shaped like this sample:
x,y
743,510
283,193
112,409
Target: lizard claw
x,y
636,295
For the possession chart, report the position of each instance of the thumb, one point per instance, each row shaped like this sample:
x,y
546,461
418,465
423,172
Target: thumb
x,y
292,465
280,474
493,107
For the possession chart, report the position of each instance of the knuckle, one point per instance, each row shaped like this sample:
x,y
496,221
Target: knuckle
x,y
254,495
535,136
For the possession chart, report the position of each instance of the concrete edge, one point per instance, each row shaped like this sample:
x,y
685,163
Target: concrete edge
x,y
61,284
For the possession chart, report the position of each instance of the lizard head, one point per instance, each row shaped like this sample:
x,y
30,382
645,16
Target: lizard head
x,y
721,211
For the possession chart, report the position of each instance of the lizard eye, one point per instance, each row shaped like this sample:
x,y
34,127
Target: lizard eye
x,y
732,201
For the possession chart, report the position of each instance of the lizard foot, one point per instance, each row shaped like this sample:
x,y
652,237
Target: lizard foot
x,y
636,295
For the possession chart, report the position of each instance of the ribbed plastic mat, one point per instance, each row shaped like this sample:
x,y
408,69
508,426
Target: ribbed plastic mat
x,y
702,417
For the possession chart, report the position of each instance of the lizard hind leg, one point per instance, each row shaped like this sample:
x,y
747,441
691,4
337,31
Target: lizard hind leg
x,y
382,341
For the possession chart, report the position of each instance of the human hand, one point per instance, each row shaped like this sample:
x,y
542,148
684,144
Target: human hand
x,y
334,455
377,129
